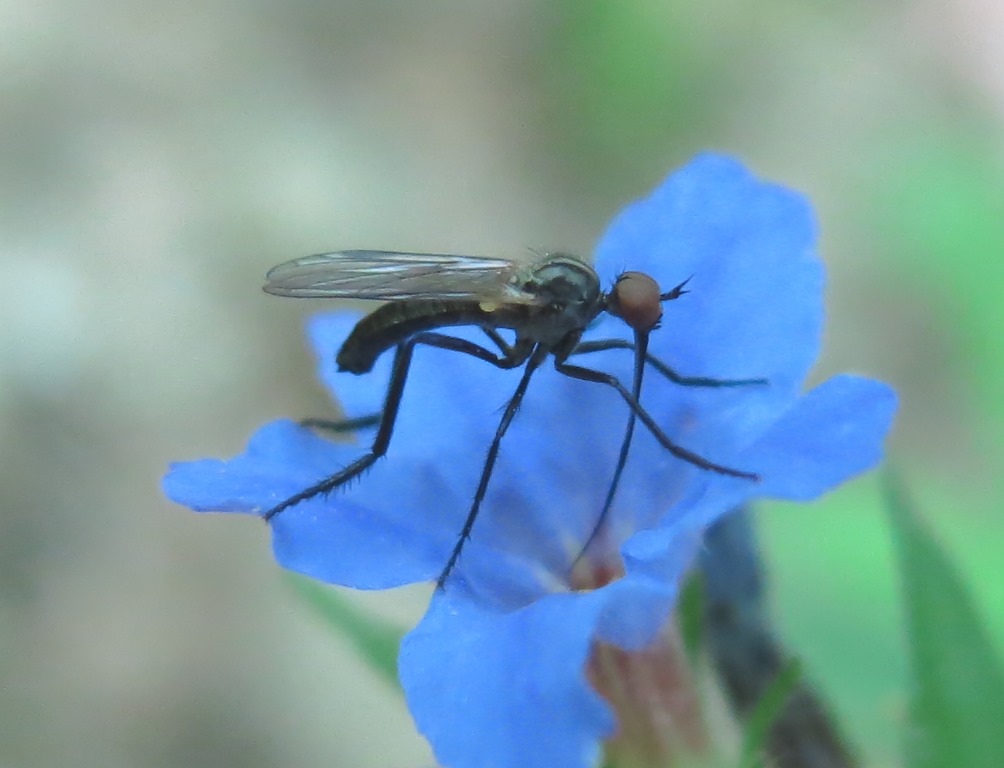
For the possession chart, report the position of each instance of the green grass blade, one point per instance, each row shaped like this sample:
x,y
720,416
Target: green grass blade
x,y
766,712
375,640
690,615
957,702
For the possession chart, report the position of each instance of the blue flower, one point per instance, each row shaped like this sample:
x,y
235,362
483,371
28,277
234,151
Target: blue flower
x,y
496,672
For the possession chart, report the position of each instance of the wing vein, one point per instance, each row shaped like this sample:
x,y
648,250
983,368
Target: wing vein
x,y
395,276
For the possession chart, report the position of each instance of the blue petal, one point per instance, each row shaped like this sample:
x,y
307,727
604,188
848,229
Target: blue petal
x,y
367,536
281,459
495,690
834,432
754,307
826,437
347,543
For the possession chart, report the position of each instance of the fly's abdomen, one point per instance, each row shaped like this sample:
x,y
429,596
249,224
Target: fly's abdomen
x,y
396,322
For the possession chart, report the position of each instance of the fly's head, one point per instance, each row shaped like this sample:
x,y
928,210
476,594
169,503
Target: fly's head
x,y
637,300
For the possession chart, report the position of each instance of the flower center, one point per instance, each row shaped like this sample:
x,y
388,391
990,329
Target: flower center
x,y
589,574
658,706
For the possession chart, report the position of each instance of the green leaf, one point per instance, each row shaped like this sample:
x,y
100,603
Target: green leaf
x,y
646,74
766,712
938,209
376,640
957,702
690,614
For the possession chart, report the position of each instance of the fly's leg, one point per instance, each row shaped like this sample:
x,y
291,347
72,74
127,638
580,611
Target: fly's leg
x,y
538,356
392,401
687,381
498,340
598,377
640,348
338,426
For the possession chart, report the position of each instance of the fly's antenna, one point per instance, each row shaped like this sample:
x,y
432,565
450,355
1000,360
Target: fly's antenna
x,y
676,292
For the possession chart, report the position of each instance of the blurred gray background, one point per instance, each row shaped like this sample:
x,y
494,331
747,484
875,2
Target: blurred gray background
x,y
156,159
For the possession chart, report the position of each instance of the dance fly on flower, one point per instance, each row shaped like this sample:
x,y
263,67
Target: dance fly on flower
x,y
547,301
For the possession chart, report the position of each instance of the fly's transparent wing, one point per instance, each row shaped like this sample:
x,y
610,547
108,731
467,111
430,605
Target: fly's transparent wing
x,y
393,276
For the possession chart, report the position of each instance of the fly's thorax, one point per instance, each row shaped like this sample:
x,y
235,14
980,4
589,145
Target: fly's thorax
x,y
563,279
567,297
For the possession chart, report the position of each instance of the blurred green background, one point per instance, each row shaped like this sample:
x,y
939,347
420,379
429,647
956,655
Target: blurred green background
x,y
156,158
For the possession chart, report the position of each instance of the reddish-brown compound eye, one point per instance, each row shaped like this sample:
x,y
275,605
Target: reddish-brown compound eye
x,y
636,300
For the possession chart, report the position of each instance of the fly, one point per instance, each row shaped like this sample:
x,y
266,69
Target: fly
x,y
547,303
